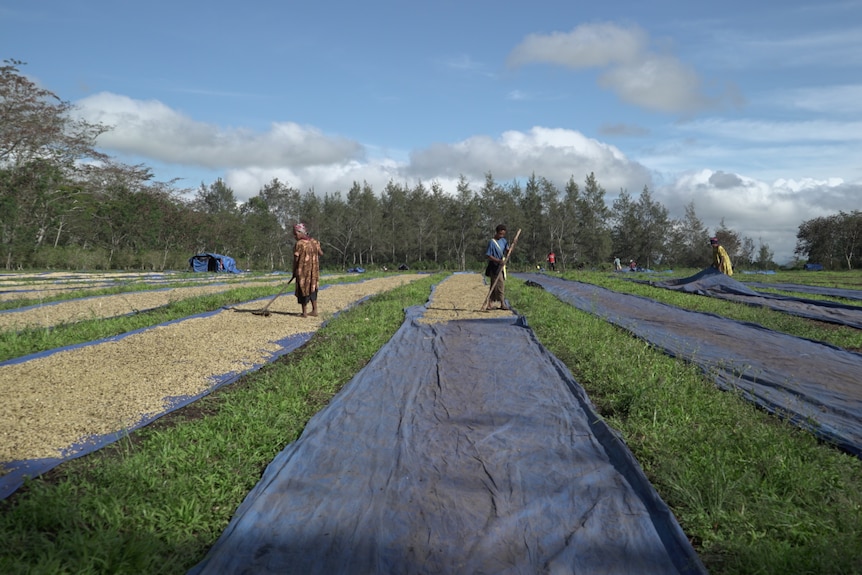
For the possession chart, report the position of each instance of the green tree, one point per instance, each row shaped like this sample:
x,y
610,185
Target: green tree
x,y
653,223
462,217
533,243
341,229
363,205
593,234
626,227
833,241
42,150
261,233
440,206
35,124
690,240
217,198
570,224
424,219
283,202
395,221
554,223
765,256
498,204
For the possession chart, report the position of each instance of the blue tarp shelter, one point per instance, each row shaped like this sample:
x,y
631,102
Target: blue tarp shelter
x,y
208,262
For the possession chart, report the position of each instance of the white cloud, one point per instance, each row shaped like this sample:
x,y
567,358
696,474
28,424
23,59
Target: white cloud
x,y
248,181
660,83
767,211
842,99
587,46
823,48
556,154
153,130
623,130
655,81
777,132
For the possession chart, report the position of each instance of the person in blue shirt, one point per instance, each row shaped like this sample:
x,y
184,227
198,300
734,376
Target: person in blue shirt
x,y
498,249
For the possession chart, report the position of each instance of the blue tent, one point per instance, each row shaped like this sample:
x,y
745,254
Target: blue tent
x,y
813,267
208,262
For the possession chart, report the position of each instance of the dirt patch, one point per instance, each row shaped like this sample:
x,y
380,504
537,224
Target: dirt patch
x,y
110,306
54,402
460,296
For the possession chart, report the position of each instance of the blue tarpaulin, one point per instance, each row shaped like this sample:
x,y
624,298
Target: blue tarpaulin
x,y
851,294
462,447
813,384
713,283
208,262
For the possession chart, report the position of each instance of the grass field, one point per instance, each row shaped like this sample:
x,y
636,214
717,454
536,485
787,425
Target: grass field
x,y
754,494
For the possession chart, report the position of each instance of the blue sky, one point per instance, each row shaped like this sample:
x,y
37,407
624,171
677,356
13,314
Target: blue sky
x,y
751,110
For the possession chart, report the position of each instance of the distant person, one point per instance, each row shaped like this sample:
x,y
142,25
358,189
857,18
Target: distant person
x,y
306,269
498,249
552,261
618,266
720,259
633,265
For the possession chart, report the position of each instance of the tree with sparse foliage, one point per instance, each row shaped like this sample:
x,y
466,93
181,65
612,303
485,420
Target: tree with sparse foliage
x,y
41,149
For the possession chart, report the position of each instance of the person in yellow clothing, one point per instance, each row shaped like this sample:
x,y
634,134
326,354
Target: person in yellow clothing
x,y
720,259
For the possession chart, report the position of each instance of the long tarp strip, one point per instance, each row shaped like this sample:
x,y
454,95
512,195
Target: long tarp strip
x,y
813,384
711,282
852,294
461,447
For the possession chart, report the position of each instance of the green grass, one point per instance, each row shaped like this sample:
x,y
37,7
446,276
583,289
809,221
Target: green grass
x,y
754,494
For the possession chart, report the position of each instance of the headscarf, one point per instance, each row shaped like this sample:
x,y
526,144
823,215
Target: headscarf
x,y
300,227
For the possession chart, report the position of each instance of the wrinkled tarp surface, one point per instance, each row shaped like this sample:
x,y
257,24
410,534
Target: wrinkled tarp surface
x,y
713,283
816,385
462,447
853,294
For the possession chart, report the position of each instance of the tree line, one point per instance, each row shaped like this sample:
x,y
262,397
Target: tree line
x,y
66,205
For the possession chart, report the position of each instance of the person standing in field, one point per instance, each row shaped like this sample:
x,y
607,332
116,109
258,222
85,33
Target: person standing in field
x,y
498,249
552,261
617,265
720,259
306,269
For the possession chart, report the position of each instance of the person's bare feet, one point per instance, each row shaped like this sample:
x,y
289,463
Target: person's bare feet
x,y
313,314
303,315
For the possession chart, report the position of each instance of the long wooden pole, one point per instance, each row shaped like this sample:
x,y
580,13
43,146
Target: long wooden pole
x,y
500,271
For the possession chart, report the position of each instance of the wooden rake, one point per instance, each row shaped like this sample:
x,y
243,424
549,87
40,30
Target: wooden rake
x,y
264,311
